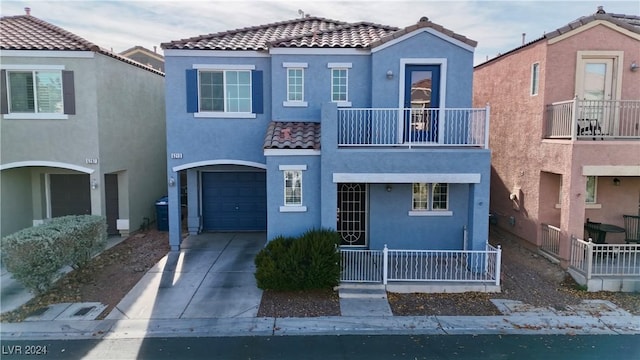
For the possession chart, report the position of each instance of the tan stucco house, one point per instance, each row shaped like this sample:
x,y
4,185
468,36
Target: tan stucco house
x,y
565,133
82,130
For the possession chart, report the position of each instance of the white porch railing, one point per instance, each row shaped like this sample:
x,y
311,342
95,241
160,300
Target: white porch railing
x,y
550,239
593,119
421,265
413,127
604,259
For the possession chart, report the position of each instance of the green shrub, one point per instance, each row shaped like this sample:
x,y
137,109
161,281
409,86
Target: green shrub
x,y
36,255
310,261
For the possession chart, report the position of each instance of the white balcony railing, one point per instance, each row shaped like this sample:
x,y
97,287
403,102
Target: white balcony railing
x,y
421,265
593,119
604,259
551,239
413,127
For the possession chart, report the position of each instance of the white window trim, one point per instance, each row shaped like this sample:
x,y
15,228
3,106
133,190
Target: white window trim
x,y
227,115
32,67
294,103
34,115
293,207
431,211
224,69
535,76
340,66
442,62
295,65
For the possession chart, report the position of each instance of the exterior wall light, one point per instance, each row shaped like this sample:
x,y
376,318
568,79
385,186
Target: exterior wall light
x,y
389,188
616,182
389,74
94,184
634,66
172,181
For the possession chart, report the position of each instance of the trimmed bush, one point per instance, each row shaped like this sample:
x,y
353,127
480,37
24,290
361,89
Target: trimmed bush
x,y
36,255
310,261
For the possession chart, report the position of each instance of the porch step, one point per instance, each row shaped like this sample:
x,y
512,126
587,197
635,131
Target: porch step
x,y
362,293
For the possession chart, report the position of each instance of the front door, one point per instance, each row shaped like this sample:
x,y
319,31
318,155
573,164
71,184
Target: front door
x,y
596,88
352,214
421,95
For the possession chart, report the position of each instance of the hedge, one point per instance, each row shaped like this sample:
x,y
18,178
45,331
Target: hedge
x,y
36,255
310,261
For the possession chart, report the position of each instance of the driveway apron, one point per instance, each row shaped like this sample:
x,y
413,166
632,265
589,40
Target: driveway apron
x,y
212,276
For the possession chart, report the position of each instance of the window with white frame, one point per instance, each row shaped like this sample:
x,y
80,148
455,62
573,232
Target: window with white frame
x,y
226,91
292,188
295,84
430,198
535,78
592,183
340,83
37,92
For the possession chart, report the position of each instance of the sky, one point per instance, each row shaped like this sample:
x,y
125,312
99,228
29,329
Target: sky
x,y
497,26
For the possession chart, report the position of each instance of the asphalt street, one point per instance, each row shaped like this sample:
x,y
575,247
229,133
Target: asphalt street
x,y
519,347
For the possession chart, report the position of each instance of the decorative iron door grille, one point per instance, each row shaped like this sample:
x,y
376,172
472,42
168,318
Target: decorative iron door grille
x,y
352,214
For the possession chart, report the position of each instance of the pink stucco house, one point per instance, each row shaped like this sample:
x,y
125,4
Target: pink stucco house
x,y
565,143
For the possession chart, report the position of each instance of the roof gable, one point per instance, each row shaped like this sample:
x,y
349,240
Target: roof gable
x,y
358,35
26,32
425,25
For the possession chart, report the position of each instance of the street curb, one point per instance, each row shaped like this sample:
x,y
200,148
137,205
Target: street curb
x,y
331,325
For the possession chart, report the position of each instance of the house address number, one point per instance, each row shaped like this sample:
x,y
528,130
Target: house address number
x,y
91,160
176,155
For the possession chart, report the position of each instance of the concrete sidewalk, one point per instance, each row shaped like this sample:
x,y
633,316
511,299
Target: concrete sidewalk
x,y
208,289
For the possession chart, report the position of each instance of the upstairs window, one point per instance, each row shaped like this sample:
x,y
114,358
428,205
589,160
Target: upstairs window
x,y
295,85
340,83
535,78
38,93
224,91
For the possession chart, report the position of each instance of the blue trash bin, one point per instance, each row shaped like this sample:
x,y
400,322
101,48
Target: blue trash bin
x,y
162,213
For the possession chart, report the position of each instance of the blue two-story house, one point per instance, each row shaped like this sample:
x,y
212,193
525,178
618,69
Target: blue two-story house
x,y
359,127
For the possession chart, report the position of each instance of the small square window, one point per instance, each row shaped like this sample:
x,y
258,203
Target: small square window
x,y
430,197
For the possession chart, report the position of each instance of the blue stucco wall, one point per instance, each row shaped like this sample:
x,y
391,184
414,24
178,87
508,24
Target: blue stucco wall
x,y
317,84
423,45
292,223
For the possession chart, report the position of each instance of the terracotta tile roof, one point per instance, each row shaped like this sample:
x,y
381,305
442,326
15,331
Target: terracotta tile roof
x,y
306,32
26,32
358,35
293,135
255,37
628,22
425,23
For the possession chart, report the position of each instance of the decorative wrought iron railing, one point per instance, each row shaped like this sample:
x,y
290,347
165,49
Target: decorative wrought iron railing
x,y
413,127
593,119
421,265
550,239
604,259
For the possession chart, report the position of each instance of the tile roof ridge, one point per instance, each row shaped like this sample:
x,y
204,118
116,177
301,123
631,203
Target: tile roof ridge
x,y
424,22
251,28
55,28
342,27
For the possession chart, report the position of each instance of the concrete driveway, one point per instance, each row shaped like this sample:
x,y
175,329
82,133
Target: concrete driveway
x,y
212,276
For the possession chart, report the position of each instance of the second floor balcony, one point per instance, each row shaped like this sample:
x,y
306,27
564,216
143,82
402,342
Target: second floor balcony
x,y
593,120
413,127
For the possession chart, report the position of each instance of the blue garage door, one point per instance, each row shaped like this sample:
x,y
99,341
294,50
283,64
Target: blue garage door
x,y
233,201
